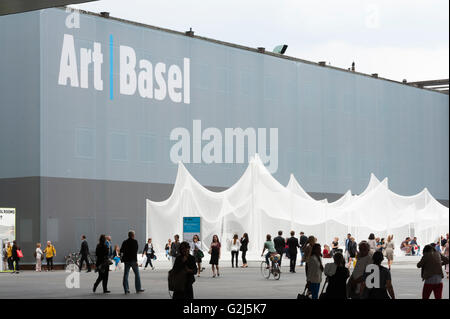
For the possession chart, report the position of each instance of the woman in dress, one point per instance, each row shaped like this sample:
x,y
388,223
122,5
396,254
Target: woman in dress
x,y
390,250
214,250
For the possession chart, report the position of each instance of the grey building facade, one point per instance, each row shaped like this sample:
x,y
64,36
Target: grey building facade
x,y
91,115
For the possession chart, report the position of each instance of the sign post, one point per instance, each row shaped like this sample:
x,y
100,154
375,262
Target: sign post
x,y
191,227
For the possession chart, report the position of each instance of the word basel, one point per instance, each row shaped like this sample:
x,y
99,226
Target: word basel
x,y
150,81
212,151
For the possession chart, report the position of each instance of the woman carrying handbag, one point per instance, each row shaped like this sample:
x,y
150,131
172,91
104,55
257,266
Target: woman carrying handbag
x,y
181,277
102,264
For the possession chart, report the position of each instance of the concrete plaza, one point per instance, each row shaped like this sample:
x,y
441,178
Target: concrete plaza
x,y
232,283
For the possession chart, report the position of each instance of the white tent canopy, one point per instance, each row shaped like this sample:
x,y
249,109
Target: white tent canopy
x,y
258,204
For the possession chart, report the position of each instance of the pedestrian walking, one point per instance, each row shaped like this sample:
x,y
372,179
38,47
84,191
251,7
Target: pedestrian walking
x,y
389,251
116,257
214,251
303,241
279,243
38,255
16,255
128,251
384,289
197,253
431,272
149,252
243,249
293,244
315,269
9,256
235,246
49,252
102,264
4,257
352,251
175,248
167,248
337,275
362,260
84,253
372,244
183,272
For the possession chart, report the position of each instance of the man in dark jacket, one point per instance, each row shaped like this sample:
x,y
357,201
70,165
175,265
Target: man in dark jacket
x,y
303,243
129,251
292,247
279,243
84,252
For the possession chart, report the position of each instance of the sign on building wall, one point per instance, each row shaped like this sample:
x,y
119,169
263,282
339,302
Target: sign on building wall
x,y
191,227
7,229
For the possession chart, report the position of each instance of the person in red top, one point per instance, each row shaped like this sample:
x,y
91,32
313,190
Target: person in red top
x,y
326,251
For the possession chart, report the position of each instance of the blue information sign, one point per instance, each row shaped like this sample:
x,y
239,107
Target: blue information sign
x,y
191,224
191,227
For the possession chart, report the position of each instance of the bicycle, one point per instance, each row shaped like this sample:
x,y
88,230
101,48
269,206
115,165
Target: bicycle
x,y
273,270
73,259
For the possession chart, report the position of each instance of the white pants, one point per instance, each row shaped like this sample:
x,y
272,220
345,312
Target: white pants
x,y
38,263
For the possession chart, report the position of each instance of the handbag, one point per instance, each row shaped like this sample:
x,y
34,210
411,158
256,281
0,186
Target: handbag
x,y
303,294
177,280
200,254
19,253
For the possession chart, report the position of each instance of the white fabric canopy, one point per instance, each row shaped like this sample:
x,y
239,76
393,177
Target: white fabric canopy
x,y
258,204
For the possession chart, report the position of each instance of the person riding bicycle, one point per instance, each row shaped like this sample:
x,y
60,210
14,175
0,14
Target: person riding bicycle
x,y
269,245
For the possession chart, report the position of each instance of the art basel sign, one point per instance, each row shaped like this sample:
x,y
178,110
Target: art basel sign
x,y
149,80
159,81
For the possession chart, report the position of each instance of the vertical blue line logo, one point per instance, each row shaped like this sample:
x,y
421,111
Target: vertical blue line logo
x,y
111,69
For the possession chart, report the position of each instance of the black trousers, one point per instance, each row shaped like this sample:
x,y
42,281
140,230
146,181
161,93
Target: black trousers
x,y
292,262
83,259
234,254
281,257
16,262
103,278
50,263
149,261
10,263
188,293
244,259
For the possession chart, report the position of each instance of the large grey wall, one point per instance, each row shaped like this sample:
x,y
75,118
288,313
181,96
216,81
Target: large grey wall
x,y
335,127
19,124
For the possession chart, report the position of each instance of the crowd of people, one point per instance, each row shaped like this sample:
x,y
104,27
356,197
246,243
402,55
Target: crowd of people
x,y
345,276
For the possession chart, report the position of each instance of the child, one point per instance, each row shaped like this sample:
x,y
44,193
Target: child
x,y
326,251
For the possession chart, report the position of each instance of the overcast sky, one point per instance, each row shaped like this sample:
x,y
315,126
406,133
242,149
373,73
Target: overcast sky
x,y
401,39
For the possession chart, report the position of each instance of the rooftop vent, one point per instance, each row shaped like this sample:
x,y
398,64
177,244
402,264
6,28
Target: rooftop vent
x,y
190,32
104,14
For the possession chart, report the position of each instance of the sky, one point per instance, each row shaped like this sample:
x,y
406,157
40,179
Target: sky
x,y
397,39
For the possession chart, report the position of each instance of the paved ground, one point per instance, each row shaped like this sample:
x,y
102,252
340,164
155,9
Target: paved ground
x,y
232,283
